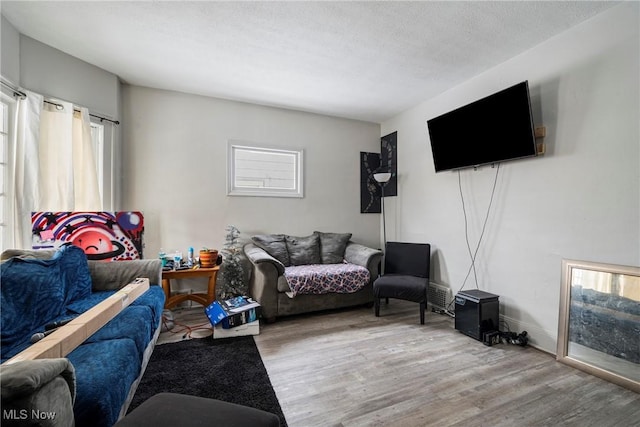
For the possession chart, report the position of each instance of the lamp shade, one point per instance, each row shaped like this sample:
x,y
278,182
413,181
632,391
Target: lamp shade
x,y
382,177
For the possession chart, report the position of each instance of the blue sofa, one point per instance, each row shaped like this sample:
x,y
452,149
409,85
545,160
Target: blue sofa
x,y
102,374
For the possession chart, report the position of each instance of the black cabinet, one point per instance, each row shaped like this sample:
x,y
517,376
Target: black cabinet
x,y
476,313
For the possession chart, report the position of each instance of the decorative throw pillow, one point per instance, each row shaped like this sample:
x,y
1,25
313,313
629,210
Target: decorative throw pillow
x,y
32,294
333,246
76,276
274,245
303,250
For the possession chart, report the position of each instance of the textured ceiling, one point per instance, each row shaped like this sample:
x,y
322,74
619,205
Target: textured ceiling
x,y
359,60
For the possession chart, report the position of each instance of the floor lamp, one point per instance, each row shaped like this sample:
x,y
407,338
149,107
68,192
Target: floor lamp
x,y
382,178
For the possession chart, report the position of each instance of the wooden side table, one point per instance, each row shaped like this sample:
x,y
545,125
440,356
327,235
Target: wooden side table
x,y
204,299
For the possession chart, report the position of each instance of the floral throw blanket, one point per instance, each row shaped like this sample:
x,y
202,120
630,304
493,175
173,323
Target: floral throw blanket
x,y
326,278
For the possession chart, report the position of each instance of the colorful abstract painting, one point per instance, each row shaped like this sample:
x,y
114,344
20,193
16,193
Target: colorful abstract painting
x,y
104,236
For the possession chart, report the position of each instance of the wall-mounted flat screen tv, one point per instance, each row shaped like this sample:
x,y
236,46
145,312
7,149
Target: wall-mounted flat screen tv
x,y
488,131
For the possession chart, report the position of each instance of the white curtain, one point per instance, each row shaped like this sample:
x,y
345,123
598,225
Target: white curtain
x,y
53,163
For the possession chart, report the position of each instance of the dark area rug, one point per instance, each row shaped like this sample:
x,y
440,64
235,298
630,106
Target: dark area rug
x,y
227,369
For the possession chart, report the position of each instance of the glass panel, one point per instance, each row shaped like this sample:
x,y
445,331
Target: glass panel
x,y
263,169
3,148
604,320
4,171
3,118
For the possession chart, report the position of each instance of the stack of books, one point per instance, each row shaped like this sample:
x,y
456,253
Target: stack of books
x,y
234,317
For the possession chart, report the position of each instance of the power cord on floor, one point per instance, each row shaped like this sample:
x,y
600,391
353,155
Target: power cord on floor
x,y
445,311
188,330
169,325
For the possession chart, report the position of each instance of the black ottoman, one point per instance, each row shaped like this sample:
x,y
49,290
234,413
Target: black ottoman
x,y
171,409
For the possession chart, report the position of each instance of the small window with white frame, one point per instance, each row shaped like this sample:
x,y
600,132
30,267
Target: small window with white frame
x,y
259,170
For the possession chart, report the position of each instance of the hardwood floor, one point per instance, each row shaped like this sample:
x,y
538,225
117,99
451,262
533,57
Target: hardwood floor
x,y
349,368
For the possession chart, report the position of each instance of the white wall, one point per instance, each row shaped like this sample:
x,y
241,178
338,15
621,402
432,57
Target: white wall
x,y
10,52
51,72
175,170
578,201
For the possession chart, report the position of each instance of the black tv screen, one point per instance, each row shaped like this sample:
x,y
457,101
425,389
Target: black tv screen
x,y
490,130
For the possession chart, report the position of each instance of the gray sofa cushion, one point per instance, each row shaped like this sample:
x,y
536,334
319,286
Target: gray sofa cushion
x,y
23,378
42,386
274,245
303,250
332,246
257,255
283,285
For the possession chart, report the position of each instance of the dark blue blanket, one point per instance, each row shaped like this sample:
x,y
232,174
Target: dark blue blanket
x,y
36,292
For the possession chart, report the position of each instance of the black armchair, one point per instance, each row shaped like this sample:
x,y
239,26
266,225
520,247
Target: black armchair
x,y
406,275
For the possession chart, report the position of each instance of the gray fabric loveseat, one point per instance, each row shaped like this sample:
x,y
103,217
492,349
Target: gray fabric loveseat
x,y
293,275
